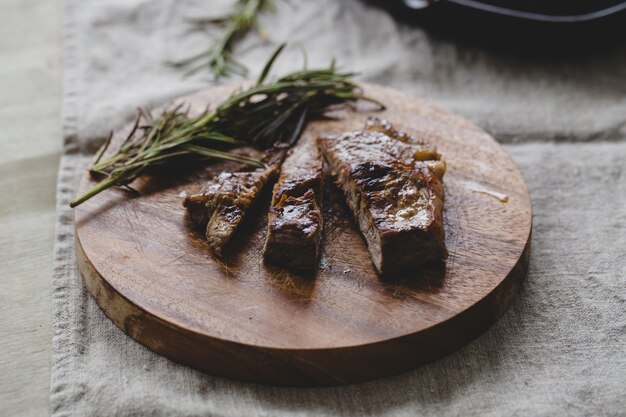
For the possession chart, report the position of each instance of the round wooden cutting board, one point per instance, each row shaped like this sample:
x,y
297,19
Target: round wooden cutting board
x,y
151,271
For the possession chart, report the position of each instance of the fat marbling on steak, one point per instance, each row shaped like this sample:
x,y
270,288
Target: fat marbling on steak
x,y
295,219
393,186
226,199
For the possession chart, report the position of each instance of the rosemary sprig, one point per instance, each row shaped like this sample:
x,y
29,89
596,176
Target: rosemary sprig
x,y
266,113
218,58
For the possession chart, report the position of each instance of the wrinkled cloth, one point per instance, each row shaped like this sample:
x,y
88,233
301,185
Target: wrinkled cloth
x,y
559,350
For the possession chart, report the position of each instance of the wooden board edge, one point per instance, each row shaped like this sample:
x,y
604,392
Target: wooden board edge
x,y
314,367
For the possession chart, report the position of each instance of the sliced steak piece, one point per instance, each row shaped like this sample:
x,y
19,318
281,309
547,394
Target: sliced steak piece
x,y
295,220
393,185
226,199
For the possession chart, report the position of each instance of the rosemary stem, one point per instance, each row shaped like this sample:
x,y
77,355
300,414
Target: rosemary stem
x,y
101,186
259,116
218,57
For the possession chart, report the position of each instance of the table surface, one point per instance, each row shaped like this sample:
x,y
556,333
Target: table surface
x,y
30,140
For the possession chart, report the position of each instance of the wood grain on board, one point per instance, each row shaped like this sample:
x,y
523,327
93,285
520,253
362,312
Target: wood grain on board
x,y
151,271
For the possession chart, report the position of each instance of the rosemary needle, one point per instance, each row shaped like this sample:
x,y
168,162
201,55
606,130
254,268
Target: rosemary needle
x,y
261,115
218,58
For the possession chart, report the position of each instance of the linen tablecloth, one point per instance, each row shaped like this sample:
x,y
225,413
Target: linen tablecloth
x,y
561,347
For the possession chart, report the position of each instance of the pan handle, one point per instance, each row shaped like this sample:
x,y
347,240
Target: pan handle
x,y
501,10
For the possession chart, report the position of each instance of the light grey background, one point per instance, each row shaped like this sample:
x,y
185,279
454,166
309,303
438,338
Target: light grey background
x,y
559,350
30,146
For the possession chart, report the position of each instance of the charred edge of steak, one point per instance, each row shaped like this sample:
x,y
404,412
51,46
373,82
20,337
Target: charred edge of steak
x,y
197,208
294,232
397,200
226,199
295,218
401,231
374,124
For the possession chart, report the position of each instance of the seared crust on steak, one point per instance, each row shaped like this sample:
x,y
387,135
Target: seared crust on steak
x,y
225,200
393,185
295,220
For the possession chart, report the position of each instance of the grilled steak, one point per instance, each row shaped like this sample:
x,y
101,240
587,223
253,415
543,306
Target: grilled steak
x,y
226,199
295,220
393,185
